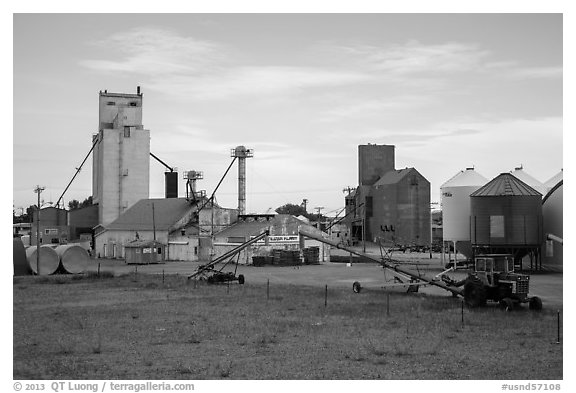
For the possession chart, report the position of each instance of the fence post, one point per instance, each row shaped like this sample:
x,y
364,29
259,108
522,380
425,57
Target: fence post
x,y
268,290
558,325
326,296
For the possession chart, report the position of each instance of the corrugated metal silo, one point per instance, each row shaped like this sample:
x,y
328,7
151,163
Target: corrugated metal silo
x,y
456,207
506,216
553,212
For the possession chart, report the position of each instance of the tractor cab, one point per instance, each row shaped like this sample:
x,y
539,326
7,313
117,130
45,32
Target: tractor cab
x,y
491,268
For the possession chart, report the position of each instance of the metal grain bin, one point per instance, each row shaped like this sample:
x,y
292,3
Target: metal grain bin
x,y
553,218
456,203
49,260
74,258
506,212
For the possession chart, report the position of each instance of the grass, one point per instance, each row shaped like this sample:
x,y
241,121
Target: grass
x,y
88,327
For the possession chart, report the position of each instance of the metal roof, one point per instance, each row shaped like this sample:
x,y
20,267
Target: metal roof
x,y
505,184
393,177
536,184
553,181
142,243
281,224
466,178
139,217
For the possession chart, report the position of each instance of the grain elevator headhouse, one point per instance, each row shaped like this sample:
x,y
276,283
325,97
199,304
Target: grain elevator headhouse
x,y
121,161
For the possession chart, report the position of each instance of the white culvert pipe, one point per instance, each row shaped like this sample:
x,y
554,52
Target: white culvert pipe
x,y
49,260
74,258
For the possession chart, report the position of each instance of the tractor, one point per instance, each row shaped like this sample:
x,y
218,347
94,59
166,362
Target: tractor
x,y
494,279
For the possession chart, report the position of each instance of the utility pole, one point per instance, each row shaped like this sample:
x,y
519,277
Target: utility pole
x,y
319,208
38,190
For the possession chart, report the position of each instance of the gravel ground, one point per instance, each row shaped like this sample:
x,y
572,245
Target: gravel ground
x,y
547,286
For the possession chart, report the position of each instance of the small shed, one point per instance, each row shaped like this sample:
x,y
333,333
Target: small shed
x,y
143,252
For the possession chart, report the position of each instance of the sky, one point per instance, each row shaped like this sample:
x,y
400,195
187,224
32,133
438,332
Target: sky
x,y
450,91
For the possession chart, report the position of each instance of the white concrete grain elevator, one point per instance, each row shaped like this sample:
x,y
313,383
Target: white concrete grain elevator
x,y
121,158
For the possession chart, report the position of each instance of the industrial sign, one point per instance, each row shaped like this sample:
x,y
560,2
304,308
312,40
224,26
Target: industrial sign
x,y
288,239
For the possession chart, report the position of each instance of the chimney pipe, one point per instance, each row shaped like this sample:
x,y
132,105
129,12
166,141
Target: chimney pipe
x,y
242,153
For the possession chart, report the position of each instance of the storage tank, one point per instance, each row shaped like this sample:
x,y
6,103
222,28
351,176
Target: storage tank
x,y
456,208
536,184
49,260
552,213
74,258
171,184
506,213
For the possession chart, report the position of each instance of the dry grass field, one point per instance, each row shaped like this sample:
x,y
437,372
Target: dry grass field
x,y
146,327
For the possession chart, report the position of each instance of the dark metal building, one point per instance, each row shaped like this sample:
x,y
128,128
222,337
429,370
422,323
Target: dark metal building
x,y
391,205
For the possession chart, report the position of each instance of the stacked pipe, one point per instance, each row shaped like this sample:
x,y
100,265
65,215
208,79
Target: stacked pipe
x,y
69,258
46,263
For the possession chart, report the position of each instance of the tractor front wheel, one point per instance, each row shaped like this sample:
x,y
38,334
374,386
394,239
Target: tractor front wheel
x,y
474,293
356,287
535,304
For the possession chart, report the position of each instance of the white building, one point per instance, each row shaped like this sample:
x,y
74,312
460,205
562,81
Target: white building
x,y
121,156
173,222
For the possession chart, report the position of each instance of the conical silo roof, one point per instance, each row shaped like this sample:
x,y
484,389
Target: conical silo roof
x,y
555,179
466,178
506,184
536,184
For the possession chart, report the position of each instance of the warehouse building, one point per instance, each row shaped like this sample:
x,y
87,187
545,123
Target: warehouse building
x,y
175,223
389,205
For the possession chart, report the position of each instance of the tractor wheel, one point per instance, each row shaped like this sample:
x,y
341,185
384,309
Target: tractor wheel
x,y
506,304
356,287
474,293
241,279
535,304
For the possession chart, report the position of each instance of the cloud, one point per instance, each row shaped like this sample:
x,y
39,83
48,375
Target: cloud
x,y
155,51
244,81
414,57
537,72
375,107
